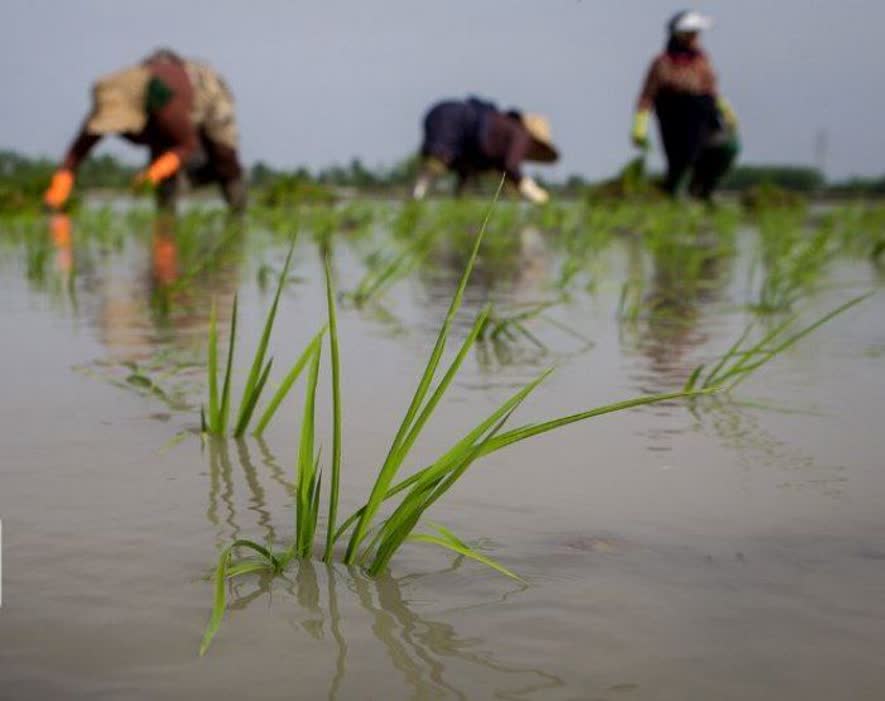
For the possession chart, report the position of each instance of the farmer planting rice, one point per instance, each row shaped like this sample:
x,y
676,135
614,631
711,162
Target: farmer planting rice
x,y
182,111
473,136
698,126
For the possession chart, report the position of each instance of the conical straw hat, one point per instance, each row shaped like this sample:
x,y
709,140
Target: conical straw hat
x,y
542,149
118,102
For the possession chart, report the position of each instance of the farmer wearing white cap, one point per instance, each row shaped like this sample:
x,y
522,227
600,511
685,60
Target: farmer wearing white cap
x,y
698,127
473,136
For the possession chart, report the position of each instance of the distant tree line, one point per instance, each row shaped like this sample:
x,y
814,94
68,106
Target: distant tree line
x,y
95,172
796,178
30,175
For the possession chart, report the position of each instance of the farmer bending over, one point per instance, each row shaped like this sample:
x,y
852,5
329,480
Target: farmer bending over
x,y
473,136
698,126
182,111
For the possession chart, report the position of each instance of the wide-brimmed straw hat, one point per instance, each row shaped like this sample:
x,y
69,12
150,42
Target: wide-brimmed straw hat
x,y
118,102
542,150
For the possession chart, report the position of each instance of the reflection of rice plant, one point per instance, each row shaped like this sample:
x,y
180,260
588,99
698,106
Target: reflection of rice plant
x,y
373,542
630,300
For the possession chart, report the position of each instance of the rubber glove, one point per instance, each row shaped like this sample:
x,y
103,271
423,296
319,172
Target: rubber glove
x,y
729,117
164,167
533,192
59,189
639,132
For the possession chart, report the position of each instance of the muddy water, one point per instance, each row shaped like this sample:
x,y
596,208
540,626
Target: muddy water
x,y
731,553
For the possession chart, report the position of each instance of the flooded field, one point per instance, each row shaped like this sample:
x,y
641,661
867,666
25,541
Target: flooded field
x,y
731,547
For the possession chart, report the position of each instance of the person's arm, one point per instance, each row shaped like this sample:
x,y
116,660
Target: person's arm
x,y
62,183
650,87
729,117
644,106
79,149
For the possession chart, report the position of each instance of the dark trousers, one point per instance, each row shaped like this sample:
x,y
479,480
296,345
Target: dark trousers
x,y
699,150
702,171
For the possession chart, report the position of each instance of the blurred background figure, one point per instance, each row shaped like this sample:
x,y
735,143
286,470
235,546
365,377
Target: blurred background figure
x,y
698,126
182,111
474,136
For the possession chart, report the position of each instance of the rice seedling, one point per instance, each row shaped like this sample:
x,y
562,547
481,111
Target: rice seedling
x,y
745,357
791,260
215,419
511,327
385,270
373,541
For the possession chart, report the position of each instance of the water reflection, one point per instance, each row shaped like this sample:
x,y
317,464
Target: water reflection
x,y
428,654
741,429
430,657
686,278
221,509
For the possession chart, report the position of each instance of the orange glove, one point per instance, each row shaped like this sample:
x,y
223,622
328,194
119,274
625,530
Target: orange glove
x,y
164,167
59,189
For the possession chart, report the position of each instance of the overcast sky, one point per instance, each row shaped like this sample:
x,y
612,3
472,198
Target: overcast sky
x,y
323,81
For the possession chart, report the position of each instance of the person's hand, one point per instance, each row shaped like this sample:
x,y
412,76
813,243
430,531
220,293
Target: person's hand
x,y
639,132
729,118
533,192
59,189
164,167
422,185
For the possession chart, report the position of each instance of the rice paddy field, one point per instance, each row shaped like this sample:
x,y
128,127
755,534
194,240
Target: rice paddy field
x,y
728,544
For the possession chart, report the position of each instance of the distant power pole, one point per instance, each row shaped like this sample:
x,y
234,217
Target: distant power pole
x,y
821,151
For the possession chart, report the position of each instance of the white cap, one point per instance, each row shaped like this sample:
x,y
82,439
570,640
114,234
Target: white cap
x,y
689,22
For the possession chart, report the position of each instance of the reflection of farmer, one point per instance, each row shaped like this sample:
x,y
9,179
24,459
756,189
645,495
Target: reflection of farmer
x,y
698,127
473,136
181,110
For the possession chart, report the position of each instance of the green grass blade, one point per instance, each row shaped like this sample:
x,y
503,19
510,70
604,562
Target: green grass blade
x,y
446,462
288,382
261,351
431,404
795,338
406,516
213,369
224,409
248,408
531,430
693,379
305,524
222,574
730,353
389,468
461,548
249,567
336,410
747,355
